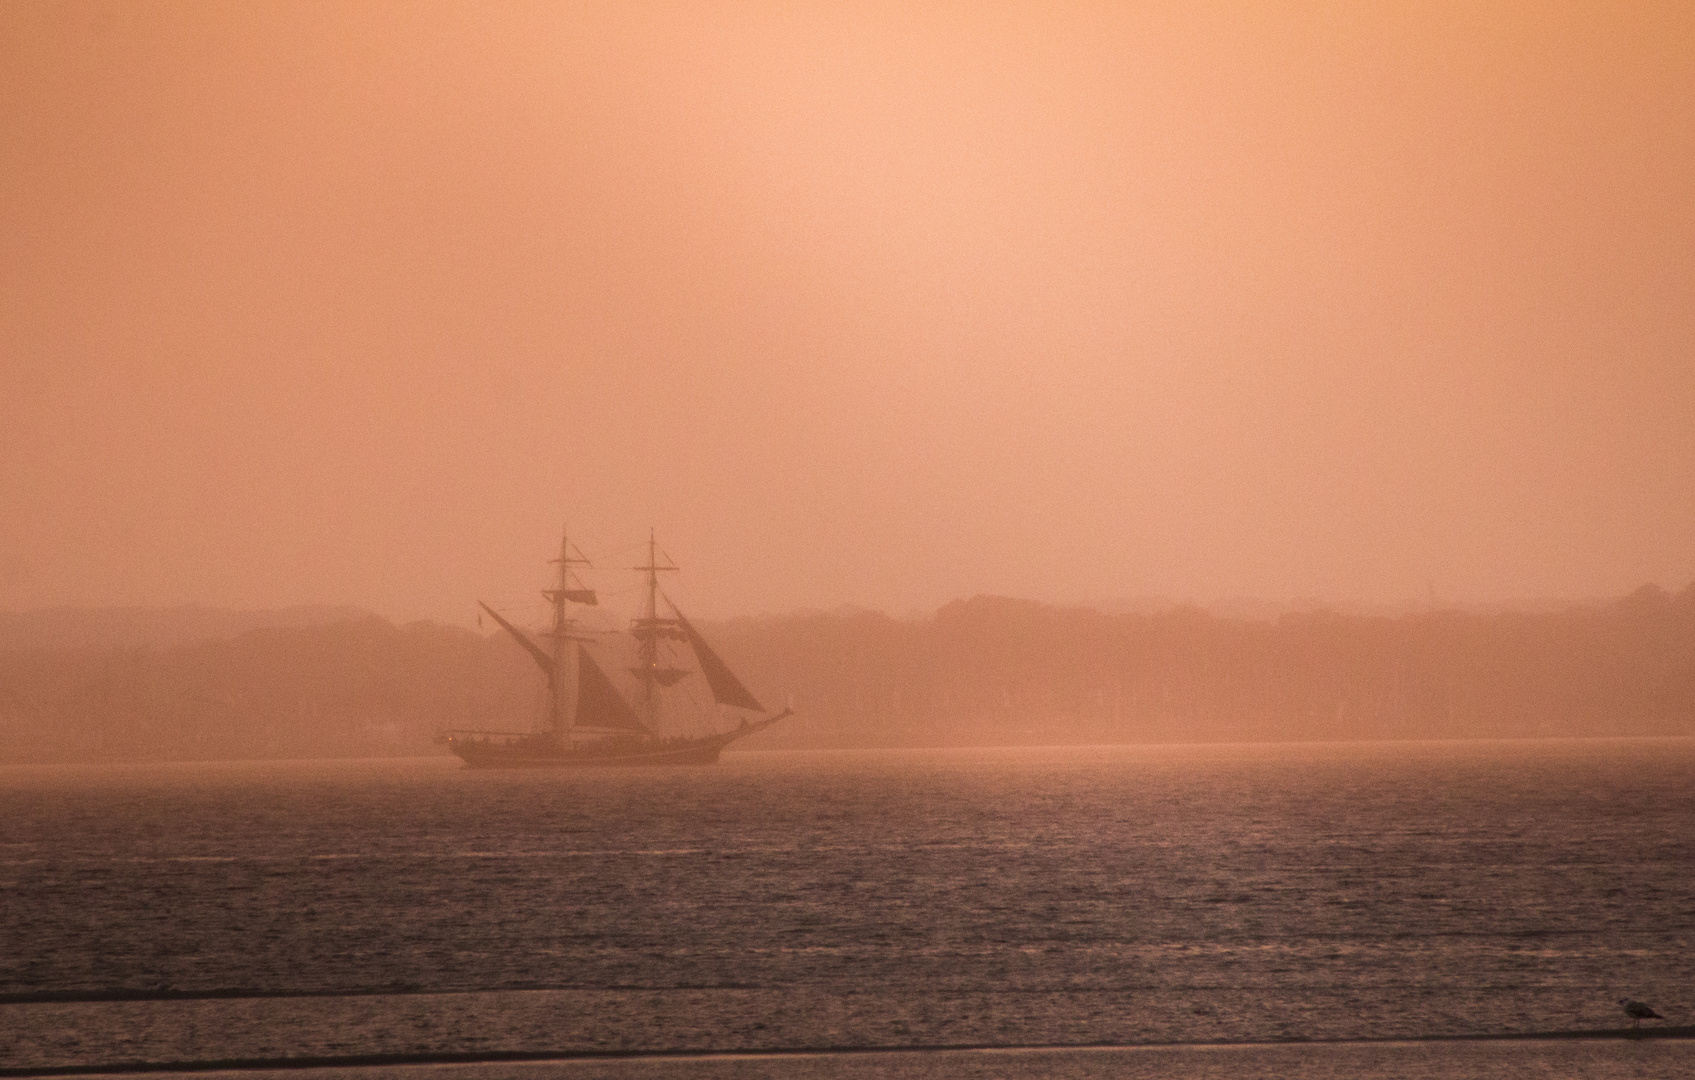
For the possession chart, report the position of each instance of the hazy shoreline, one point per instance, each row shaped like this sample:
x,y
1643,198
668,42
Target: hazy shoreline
x,y
988,671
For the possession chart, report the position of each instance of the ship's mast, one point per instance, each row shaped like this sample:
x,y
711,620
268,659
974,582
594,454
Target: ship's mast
x,y
562,714
649,629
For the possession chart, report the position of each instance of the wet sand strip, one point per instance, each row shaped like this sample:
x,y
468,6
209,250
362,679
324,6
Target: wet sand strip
x,y
495,1057
106,997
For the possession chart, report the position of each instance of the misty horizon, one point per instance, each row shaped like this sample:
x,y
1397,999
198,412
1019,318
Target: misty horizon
x,y
72,617
984,671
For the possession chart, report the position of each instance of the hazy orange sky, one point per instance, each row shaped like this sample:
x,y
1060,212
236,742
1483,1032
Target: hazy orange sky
x,y
870,304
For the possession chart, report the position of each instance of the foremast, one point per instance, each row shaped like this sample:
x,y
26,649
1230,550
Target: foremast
x,y
562,706
564,666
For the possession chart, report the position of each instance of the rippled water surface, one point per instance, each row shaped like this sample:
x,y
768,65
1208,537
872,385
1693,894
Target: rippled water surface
x,y
897,899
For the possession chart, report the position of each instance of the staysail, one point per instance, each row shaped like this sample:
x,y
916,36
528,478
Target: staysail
x,y
726,688
599,705
535,650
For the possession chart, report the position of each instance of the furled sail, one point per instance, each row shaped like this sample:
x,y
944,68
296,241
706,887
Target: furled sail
x,y
534,650
726,688
650,630
576,596
652,668
599,705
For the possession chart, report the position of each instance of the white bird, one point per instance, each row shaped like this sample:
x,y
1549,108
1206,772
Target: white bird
x,y
1638,1011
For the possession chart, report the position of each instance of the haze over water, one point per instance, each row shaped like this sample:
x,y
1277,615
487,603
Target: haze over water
x,y
1086,895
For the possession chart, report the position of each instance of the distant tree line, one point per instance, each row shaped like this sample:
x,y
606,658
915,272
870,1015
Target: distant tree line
x,y
359,687
998,671
984,671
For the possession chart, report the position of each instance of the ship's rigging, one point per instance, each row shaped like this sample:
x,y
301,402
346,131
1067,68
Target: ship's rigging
x,y
589,721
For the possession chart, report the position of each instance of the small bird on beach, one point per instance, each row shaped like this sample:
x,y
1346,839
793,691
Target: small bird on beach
x,y
1638,1011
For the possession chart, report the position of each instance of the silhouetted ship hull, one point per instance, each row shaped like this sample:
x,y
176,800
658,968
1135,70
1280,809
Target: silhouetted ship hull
x,y
591,725
547,752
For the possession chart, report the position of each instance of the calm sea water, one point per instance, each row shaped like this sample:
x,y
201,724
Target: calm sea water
x,y
1129,896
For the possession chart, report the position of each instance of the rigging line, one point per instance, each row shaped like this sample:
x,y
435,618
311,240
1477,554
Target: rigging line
x,y
688,602
510,605
667,596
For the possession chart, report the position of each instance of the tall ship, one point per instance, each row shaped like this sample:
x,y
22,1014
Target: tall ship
x,y
589,721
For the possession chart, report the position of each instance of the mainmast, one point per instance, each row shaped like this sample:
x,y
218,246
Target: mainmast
x,y
648,630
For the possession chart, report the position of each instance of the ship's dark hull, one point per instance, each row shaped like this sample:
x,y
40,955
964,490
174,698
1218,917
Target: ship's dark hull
x,y
543,753
484,751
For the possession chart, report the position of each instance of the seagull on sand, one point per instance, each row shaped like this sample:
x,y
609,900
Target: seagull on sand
x,y
1638,1011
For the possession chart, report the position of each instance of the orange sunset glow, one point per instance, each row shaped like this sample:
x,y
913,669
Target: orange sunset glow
x,y
873,304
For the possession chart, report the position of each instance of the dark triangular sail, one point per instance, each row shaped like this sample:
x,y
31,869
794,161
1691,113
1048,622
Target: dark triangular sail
x,y
599,705
541,657
726,688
